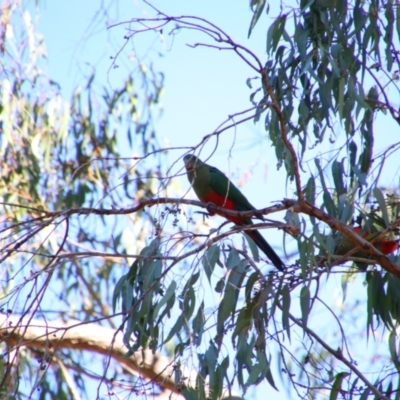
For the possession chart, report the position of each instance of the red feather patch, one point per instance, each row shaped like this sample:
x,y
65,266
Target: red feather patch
x,y
222,201
385,246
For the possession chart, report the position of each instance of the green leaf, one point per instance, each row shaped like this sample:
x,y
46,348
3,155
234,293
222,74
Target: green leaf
x,y
310,190
228,302
305,302
233,259
365,394
398,21
219,287
260,4
117,291
377,300
210,358
168,294
286,309
275,32
152,272
250,285
270,378
127,296
394,350
210,259
352,158
301,39
191,393
361,176
303,246
244,321
337,174
393,294
166,310
346,279
189,302
346,209
133,271
360,18
152,249
328,202
260,370
389,389
324,95
337,385
388,37
382,205
365,160
177,327
253,247
220,373
198,325
193,279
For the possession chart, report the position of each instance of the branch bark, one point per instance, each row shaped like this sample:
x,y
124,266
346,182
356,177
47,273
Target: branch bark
x,y
73,334
338,354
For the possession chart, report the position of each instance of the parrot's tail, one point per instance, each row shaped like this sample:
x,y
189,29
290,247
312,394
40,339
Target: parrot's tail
x,y
266,249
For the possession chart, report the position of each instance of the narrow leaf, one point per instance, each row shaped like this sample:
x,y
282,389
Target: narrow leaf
x,y
177,326
382,205
305,304
337,385
117,291
286,309
198,325
253,247
233,259
260,4
210,259
168,294
337,174
228,302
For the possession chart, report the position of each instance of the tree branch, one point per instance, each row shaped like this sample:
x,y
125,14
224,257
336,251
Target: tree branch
x,y
58,335
339,355
76,335
149,203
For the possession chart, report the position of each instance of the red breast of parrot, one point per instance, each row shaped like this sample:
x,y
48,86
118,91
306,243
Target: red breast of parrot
x,y
385,246
212,186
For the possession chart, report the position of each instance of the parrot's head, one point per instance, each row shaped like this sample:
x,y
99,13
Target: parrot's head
x,y
198,173
191,162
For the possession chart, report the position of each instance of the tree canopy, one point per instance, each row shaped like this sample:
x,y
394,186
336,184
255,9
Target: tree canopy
x,y
114,284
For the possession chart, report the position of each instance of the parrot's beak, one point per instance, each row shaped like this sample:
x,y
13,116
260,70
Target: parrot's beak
x,y
188,164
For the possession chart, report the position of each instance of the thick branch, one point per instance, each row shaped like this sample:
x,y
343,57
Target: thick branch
x,y
73,334
149,203
58,335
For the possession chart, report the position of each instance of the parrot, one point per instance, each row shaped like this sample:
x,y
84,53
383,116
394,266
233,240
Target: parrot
x,y
385,246
212,186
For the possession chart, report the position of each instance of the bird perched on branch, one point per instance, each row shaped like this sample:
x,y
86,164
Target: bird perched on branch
x,y
212,186
385,245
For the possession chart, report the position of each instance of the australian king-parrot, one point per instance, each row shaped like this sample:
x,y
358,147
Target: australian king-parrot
x,y
212,186
385,245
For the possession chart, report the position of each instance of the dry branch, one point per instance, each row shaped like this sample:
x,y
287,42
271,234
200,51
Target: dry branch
x,y
76,335
73,334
